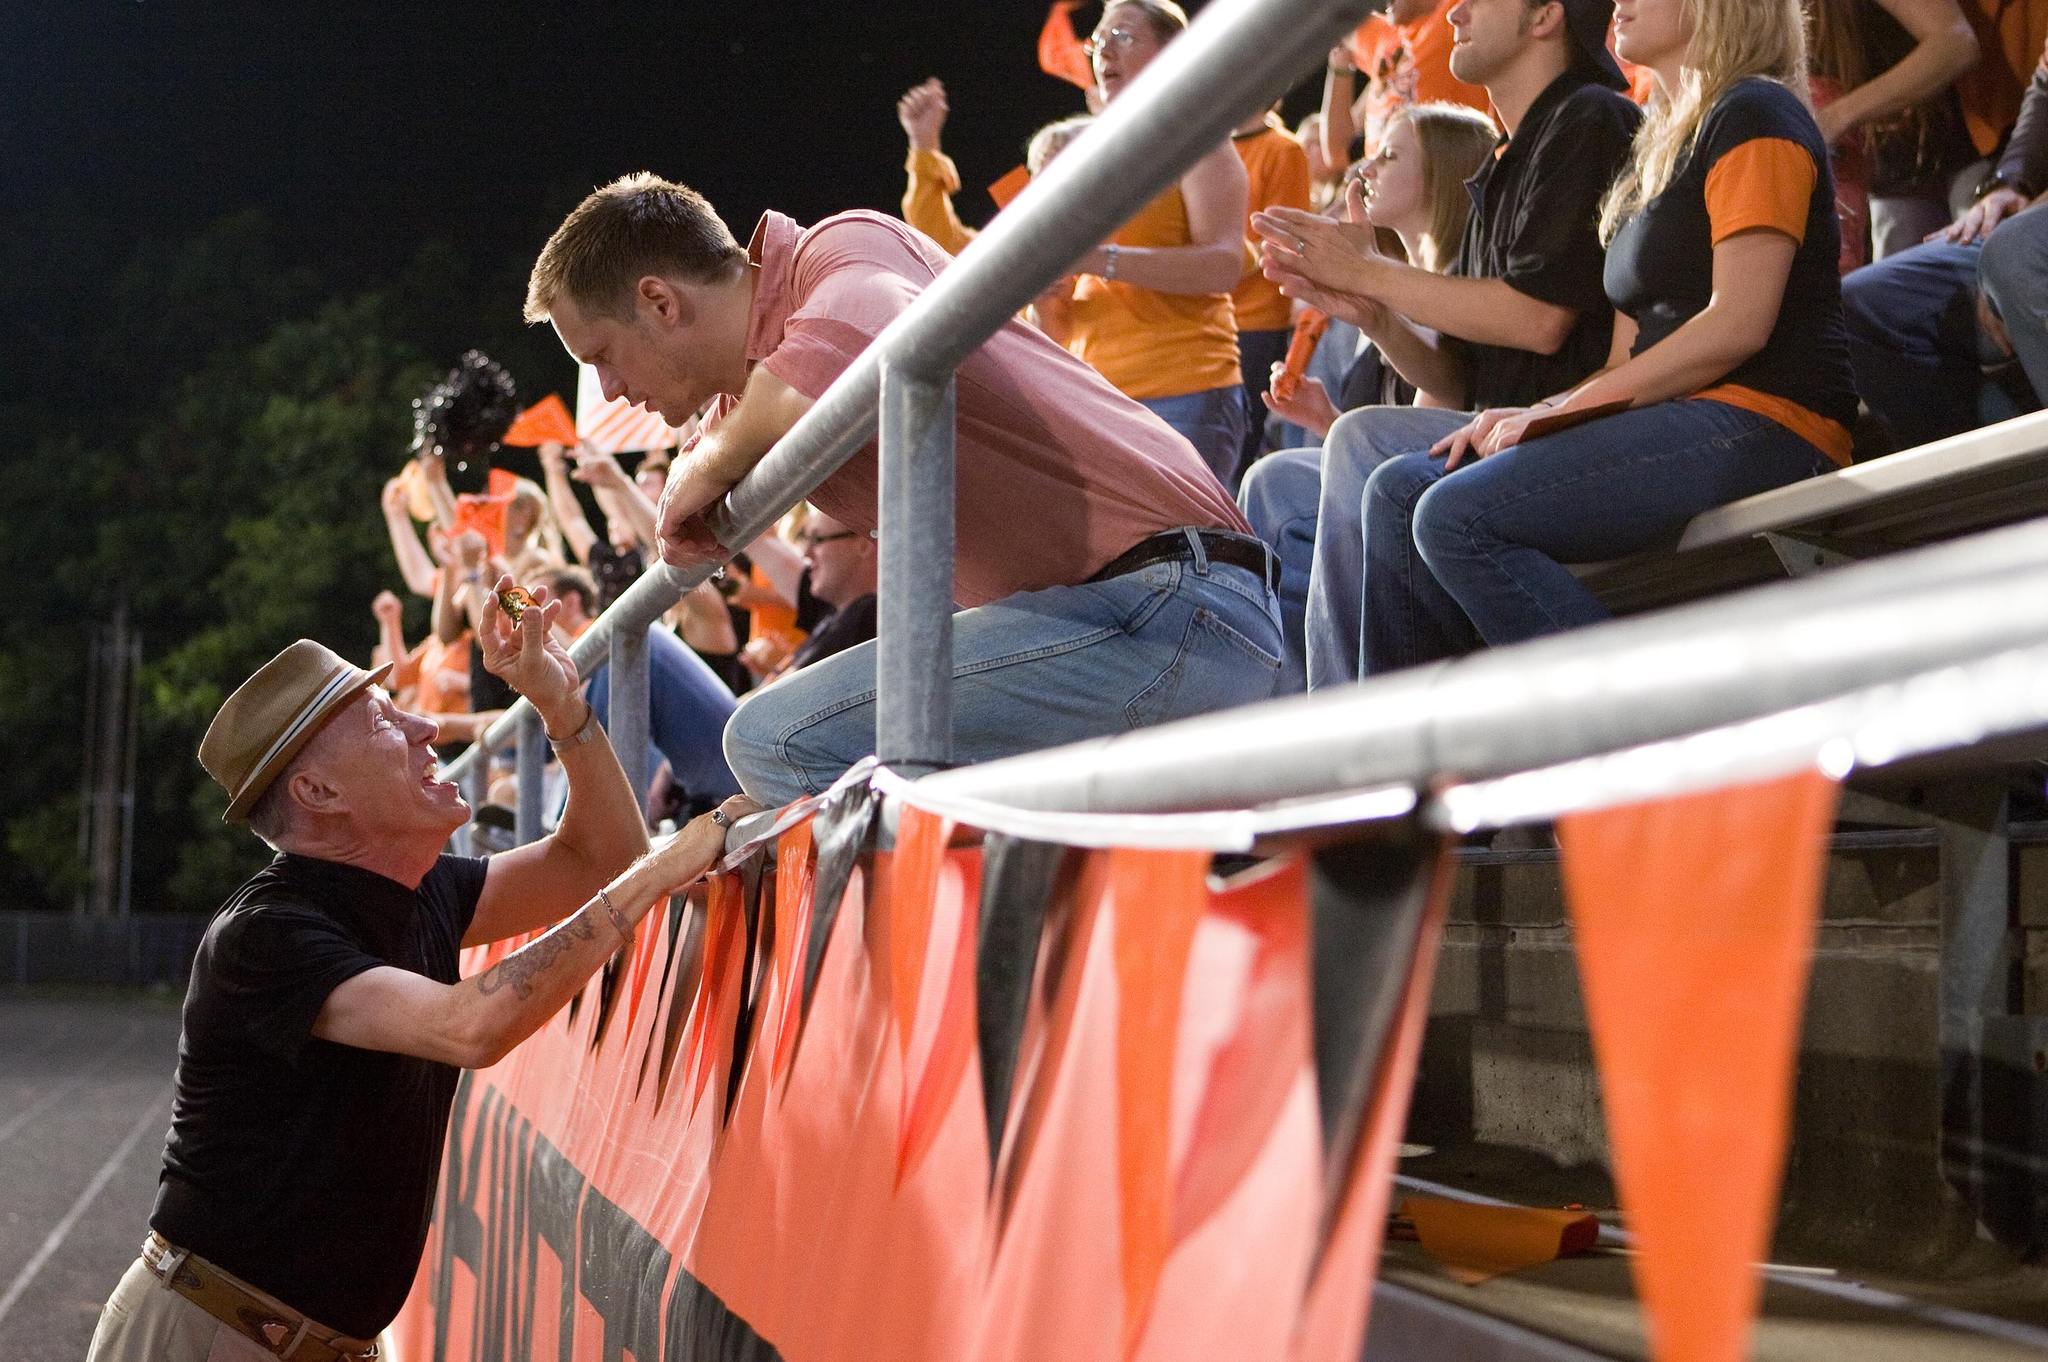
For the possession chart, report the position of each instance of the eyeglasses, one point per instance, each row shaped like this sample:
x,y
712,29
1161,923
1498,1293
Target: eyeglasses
x,y
1112,40
811,541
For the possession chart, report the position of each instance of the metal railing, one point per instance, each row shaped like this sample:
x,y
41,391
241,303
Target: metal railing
x,y
1234,60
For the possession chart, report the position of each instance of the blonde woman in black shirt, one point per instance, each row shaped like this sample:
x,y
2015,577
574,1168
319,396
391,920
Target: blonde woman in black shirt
x,y
1728,374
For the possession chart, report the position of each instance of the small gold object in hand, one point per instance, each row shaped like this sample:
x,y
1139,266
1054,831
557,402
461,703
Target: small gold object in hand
x,y
513,600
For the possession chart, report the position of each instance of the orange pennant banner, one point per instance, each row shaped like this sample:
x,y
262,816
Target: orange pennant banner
x,y
1010,186
545,422
1695,920
664,1172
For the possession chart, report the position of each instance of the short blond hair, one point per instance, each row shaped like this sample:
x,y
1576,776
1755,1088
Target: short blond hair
x,y
1167,19
633,227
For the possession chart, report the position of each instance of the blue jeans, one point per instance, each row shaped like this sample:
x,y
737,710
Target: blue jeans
x,y
1257,353
1334,624
1033,670
1480,554
687,709
1279,499
1213,422
2014,274
1914,340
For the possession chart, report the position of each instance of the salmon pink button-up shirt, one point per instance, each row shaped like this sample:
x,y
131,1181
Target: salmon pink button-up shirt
x,y
1058,472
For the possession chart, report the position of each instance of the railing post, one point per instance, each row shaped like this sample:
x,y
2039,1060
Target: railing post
x,y
476,788
914,664
626,720
532,759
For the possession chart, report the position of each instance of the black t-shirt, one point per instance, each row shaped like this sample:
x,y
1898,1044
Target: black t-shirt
x,y
849,626
304,1167
1536,224
613,571
1758,162
487,690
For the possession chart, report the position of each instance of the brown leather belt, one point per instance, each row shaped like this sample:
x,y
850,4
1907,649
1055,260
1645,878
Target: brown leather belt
x,y
265,1320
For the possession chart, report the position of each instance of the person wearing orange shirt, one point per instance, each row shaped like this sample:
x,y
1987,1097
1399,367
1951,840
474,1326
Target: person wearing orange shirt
x,y
1277,169
1405,55
1150,309
933,180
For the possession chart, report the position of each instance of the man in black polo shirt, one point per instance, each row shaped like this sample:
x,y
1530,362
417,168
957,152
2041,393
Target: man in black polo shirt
x,y
326,1016
1521,315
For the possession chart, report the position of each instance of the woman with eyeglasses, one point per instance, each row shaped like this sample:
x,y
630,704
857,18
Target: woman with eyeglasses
x,y
1150,308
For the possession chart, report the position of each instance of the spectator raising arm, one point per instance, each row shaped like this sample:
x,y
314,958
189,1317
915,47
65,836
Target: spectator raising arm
x,y
414,564
928,194
562,497
476,1021
390,612
617,493
463,575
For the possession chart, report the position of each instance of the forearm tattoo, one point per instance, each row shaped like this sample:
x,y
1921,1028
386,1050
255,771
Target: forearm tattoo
x,y
522,970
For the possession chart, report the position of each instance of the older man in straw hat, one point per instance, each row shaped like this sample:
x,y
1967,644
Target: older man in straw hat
x,y
326,1017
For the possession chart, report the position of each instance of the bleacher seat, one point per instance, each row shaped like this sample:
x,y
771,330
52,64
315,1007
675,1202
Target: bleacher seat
x,y
1976,481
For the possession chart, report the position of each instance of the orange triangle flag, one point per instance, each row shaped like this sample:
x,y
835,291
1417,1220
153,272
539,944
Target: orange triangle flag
x,y
1010,186
545,422
1695,919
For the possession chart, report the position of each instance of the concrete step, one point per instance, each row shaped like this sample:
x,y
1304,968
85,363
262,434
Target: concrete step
x,y
1508,1104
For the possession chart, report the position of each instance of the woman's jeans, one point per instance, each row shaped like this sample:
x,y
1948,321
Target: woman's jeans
x,y
1480,555
1213,422
1033,670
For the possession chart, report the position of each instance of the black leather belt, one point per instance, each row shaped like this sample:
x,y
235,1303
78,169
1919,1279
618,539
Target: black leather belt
x,y
1221,546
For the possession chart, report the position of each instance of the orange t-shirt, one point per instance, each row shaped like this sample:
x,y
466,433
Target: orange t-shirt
x,y
1152,344
2013,38
772,621
1408,64
439,675
1278,170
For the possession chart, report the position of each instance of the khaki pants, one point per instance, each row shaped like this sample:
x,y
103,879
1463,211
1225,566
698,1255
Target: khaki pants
x,y
146,1321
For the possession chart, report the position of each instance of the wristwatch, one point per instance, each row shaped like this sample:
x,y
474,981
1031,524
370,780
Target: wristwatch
x,y
1998,180
581,735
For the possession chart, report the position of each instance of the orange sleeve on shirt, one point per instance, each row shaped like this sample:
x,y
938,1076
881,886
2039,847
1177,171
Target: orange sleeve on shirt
x,y
1764,182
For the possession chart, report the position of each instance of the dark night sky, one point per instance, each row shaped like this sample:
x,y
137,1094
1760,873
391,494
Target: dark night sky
x,y
365,129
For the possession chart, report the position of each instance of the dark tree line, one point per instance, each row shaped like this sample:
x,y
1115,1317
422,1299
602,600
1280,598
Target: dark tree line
x,y
200,429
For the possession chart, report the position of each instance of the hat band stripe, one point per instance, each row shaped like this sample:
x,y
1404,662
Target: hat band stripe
x,y
298,725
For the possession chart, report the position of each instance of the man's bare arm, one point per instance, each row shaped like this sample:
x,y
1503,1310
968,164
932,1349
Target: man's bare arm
x,y
727,453
476,1022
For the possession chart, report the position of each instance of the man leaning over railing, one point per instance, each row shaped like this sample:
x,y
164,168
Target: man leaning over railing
x,y
1111,580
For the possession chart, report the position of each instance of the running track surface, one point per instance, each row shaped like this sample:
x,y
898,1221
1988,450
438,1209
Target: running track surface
x,y
85,1099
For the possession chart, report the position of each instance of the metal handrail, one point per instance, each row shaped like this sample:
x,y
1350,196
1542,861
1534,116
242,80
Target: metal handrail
x,y
1236,58
1590,693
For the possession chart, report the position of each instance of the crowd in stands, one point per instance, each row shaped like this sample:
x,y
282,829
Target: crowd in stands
x,y
803,592
1537,283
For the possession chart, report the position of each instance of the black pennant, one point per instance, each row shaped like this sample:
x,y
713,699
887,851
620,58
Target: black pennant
x,y
1366,907
1017,882
752,876
842,833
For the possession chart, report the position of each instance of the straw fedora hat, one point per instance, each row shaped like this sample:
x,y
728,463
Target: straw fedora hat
x,y
273,715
